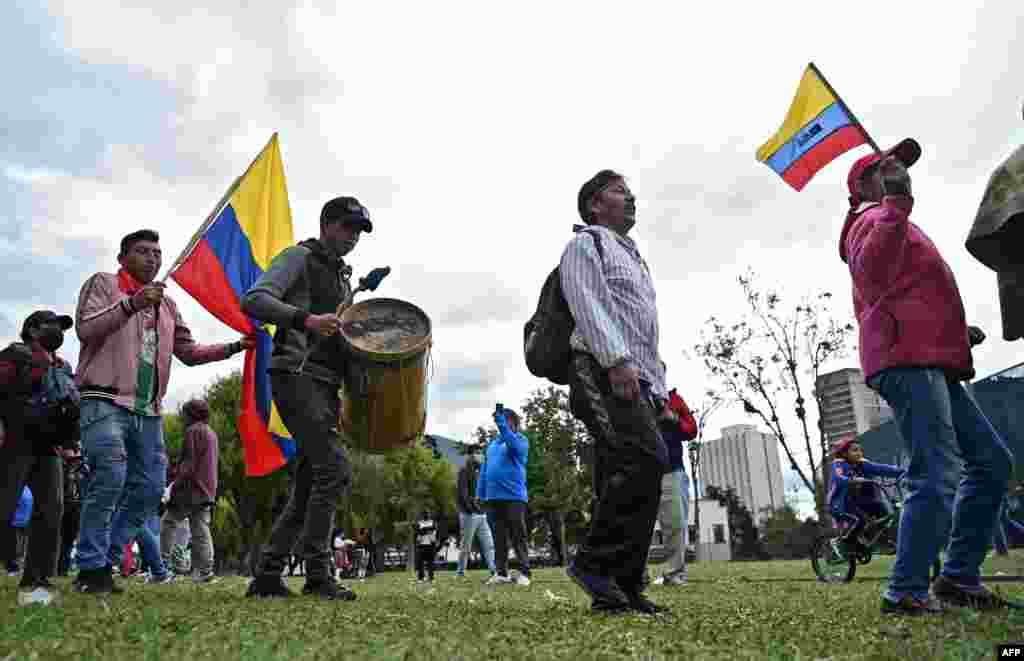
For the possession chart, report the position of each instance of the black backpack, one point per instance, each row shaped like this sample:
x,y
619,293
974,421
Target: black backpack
x,y
546,334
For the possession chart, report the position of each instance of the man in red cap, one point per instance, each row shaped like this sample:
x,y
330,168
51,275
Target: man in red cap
x,y
915,349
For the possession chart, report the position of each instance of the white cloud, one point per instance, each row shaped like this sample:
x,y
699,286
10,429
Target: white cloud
x,y
467,131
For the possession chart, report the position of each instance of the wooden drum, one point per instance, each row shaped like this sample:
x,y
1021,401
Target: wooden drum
x,y
384,390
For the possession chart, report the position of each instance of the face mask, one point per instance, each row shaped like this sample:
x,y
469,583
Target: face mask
x,y
51,340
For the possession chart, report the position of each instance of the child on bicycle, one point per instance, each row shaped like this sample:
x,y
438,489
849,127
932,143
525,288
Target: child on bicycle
x,y
852,496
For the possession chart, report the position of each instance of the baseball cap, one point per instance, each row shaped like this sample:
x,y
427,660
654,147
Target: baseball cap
x,y
40,317
907,151
346,208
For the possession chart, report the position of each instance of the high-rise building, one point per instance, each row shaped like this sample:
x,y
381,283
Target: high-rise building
x,y
748,461
848,406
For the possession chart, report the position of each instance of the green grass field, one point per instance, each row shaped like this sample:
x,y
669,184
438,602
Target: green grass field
x,y
728,611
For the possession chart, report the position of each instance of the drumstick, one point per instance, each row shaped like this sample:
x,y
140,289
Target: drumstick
x,y
370,282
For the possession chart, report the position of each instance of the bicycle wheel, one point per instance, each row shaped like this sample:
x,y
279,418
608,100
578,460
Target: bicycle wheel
x,y
830,565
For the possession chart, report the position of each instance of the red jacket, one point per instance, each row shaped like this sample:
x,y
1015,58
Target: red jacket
x,y
904,294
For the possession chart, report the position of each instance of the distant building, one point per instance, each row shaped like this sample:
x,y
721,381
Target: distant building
x,y
848,406
1001,398
748,461
714,534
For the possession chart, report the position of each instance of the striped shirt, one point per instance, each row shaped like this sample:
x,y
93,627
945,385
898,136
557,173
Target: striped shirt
x,y
613,303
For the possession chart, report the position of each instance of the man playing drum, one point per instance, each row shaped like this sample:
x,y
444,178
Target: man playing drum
x,y
300,294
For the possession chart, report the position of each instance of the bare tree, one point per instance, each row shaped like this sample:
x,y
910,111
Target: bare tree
x,y
767,356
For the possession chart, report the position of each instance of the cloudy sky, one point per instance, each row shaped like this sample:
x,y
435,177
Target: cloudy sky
x,y
467,130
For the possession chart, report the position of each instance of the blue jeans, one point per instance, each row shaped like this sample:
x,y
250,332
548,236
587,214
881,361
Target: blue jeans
x,y
941,425
674,515
149,548
127,467
999,534
472,525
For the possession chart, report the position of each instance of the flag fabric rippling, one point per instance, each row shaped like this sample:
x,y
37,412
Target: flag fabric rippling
x,y
250,225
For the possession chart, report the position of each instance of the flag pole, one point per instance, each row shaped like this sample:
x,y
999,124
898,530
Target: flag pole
x,y
198,236
846,108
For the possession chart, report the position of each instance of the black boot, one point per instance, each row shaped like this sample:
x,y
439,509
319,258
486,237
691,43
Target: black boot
x,y
268,586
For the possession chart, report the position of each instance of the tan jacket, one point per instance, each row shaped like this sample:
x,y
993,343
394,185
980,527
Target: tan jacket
x,y
111,337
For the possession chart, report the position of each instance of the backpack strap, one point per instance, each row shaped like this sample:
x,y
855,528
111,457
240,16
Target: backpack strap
x,y
594,234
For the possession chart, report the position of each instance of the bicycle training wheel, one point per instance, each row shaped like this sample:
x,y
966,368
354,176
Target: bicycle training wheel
x,y
830,565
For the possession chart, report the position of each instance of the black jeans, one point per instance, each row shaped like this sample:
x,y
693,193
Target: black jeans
x,y
510,522
425,554
68,535
630,458
309,408
44,475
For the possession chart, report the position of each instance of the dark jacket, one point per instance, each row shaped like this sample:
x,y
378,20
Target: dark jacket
x,y
465,499
195,482
306,279
31,392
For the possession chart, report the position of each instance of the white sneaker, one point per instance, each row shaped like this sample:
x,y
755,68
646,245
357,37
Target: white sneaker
x,y
679,578
39,595
498,579
522,580
161,580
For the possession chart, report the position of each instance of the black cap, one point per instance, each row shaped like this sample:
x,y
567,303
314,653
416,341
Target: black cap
x,y
346,209
40,317
591,188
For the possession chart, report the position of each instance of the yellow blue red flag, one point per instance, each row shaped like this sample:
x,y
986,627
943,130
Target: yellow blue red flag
x,y
251,225
818,128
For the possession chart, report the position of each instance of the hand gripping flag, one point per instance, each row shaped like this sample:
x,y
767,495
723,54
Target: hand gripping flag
x,y
251,224
818,128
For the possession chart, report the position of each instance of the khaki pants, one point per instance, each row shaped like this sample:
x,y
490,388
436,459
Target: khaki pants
x,y
202,541
674,515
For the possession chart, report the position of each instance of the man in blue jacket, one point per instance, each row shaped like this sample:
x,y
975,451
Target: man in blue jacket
x,y
502,488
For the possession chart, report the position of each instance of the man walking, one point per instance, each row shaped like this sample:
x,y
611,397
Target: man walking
x,y
472,520
915,349
674,510
195,491
129,329
300,294
617,388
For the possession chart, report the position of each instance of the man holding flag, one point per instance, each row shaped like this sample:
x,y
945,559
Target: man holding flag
x,y
129,329
300,293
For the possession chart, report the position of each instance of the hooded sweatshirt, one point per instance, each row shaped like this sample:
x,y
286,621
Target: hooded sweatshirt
x,y
905,297
503,476
303,280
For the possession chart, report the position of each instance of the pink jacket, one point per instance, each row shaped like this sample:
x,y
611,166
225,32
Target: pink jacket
x,y
111,338
904,295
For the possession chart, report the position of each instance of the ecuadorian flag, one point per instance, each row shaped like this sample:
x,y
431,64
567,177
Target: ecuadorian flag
x,y
818,128
252,224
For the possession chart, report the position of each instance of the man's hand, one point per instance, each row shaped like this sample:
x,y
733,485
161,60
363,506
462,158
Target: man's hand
x,y
895,178
625,381
149,296
324,325
975,335
247,342
668,414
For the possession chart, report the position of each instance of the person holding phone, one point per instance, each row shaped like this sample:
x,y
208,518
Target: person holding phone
x,y
915,350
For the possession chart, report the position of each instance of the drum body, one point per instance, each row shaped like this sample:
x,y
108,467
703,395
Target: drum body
x,y
384,389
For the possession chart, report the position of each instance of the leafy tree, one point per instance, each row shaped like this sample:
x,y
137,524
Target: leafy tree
x,y
744,540
765,358
786,537
415,480
712,402
246,503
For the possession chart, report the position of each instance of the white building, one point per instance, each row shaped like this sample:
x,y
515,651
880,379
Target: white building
x,y
714,533
848,406
748,461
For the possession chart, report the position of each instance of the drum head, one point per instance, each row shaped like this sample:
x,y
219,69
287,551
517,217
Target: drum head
x,y
385,329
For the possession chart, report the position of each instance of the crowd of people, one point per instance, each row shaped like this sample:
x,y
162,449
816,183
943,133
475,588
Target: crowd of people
x,y
915,350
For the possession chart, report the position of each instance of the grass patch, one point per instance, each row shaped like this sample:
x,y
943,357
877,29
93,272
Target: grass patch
x,y
728,611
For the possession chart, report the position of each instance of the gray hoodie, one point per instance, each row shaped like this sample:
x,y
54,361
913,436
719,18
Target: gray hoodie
x,y
306,279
